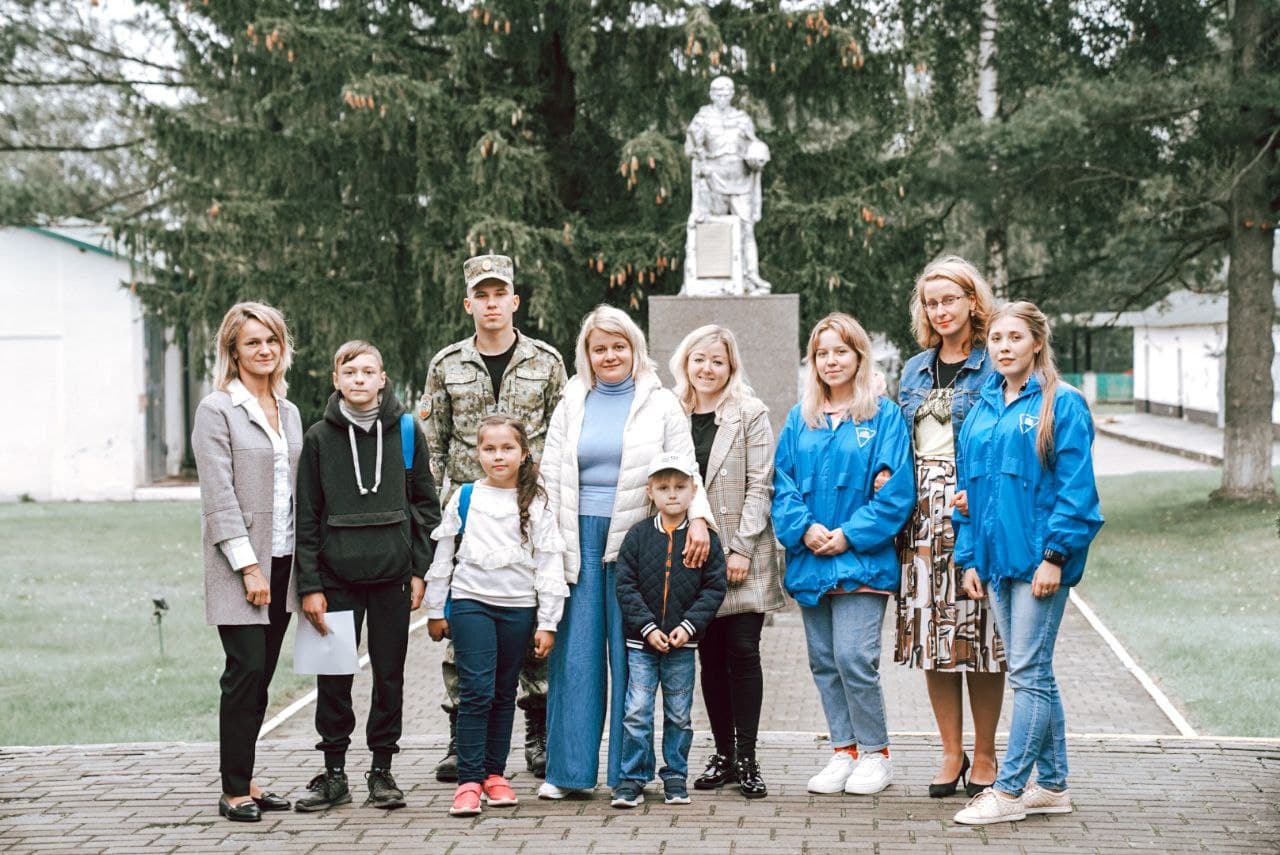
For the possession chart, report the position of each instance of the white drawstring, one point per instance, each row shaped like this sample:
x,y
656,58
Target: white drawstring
x,y
355,459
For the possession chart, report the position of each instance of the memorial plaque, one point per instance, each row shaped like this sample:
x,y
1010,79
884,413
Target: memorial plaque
x,y
715,250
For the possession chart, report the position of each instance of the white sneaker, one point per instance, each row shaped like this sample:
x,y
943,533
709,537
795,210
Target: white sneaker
x,y
989,806
551,792
1036,799
872,774
831,779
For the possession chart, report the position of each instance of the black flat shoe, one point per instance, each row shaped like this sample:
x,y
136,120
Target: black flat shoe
x,y
750,784
243,812
971,789
270,801
719,772
941,791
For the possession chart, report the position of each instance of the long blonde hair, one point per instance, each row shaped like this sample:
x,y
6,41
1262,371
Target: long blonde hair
x,y
225,368
1043,364
817,392
954,269
607,319
735,388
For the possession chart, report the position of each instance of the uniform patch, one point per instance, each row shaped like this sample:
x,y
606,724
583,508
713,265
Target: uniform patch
x,y
1028,423
864,435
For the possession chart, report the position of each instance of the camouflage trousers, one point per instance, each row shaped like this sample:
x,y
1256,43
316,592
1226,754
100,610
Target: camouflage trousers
x,y
533,681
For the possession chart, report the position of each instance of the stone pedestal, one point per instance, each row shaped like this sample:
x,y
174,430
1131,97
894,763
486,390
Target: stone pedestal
x,y
767,329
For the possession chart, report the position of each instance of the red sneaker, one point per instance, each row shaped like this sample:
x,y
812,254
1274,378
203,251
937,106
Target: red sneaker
x,y
498,792
466,800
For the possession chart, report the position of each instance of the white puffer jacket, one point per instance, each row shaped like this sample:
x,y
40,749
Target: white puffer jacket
x,y
656,423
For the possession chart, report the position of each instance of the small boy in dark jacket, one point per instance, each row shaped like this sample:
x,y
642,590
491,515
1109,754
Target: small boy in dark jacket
x,y
364,525
665,607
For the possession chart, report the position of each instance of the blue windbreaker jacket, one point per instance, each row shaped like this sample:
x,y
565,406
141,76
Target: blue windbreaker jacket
x,y
1017,507
826,476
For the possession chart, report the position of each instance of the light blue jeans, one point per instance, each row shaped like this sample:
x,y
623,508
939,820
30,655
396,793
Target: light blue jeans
x,y
843,636
588,667
1038,730
648,669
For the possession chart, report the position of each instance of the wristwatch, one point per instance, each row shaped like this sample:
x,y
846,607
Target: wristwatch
x,y
1053,556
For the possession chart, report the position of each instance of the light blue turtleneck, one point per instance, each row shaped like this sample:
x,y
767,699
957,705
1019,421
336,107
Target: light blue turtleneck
x,y
600,445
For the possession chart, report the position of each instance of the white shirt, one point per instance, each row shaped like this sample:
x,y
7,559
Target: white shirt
x,y
238,549
494,566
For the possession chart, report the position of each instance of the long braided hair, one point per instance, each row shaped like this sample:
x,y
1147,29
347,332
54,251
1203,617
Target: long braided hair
x,y
528,485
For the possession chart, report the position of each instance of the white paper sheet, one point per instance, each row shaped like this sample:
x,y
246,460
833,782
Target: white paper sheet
x,y
334,653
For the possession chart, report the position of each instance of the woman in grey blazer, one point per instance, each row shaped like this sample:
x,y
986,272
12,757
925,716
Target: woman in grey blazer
x,y
247,439
733,443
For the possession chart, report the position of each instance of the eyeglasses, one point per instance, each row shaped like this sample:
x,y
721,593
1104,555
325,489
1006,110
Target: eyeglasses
x,y
945,302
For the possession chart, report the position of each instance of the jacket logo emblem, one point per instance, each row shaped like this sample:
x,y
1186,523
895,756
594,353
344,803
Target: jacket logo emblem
x,y
1028,423
864,435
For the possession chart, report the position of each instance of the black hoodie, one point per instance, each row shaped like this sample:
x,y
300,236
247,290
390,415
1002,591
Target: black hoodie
x,y
362,518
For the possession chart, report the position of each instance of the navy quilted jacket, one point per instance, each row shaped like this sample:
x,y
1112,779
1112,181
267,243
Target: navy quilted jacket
x,y
657,591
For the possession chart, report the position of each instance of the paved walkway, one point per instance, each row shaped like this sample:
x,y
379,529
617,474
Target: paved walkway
x,y
1192,440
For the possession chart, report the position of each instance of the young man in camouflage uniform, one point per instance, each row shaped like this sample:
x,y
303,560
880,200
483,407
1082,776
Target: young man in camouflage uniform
x,y
496,370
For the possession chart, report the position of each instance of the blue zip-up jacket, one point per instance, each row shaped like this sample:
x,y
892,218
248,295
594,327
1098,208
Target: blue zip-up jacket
x,y
1017,507
826,476
917,383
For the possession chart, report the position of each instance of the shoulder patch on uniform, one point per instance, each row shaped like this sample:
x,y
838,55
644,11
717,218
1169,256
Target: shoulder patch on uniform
x,y
1027,422
864,435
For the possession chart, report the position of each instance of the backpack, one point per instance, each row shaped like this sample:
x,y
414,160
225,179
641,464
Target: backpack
x,y
464,504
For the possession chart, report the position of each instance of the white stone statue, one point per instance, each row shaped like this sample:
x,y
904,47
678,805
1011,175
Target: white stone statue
x,y
727,162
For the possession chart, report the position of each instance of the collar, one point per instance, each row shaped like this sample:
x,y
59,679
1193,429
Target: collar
x,y
973,362
523,349
657,523
240,394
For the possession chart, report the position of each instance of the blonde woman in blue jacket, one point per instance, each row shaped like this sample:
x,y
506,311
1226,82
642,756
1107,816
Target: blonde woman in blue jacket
x,y
1027,516
839,531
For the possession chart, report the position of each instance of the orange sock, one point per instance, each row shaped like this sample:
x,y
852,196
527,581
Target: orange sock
x,y
851,750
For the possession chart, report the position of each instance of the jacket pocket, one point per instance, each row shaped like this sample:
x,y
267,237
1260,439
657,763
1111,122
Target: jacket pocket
x,y
1016,508
368,547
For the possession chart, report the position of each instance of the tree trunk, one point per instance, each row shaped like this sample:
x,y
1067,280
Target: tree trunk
x,y
1246,467
996,238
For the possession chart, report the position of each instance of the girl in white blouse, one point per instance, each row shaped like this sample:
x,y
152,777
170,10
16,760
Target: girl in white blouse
x,y
504,583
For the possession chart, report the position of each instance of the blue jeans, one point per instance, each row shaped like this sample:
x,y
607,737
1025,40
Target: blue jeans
x,y
646,670
590,646
489,644
843,635
1038,731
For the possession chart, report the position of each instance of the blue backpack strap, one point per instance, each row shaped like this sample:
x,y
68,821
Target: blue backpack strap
x,y
407,432
464,504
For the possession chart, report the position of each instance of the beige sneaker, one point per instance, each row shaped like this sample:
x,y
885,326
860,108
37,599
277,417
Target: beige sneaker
x,y
1036,799
989,806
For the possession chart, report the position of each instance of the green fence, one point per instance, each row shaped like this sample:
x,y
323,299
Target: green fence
x,y
1112,387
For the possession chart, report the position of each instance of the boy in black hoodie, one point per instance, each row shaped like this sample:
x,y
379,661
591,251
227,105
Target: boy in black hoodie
x,y
665,607
364,525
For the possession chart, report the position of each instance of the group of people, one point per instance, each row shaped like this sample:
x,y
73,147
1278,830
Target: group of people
x,y
589,533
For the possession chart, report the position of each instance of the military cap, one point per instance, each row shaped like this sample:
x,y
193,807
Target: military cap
x,y
482,267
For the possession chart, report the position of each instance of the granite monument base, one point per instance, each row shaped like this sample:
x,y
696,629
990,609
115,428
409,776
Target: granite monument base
x,y
767,329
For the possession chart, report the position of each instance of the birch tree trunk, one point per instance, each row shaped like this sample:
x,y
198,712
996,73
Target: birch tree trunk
x,y
995,237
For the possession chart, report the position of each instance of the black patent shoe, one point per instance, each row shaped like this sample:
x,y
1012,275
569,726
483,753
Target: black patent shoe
x,y
326,790
383,792
941,791
719,772
243,812
971,789
270,801
750,784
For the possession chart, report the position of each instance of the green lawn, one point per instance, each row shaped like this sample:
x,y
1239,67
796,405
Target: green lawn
x,y
80,660
1192,589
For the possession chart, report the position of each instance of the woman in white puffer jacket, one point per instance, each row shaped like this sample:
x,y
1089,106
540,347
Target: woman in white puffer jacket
x,y
613,419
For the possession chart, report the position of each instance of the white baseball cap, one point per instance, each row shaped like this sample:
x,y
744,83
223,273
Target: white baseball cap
x,y
673,460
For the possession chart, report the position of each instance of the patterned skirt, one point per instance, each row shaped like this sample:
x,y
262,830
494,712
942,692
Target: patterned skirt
x,y
938,627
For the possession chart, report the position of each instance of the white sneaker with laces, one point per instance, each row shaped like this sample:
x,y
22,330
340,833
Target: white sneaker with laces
x,y
1036,799
872,774
551,792
990,806
831,779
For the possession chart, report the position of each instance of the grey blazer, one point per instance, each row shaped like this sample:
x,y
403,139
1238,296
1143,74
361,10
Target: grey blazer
x,y
237,476
739,482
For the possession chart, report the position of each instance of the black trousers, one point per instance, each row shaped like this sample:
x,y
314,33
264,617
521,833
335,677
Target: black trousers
x,y
733,681
386,607
252,652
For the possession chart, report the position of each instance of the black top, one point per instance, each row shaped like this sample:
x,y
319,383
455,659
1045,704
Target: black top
x,y
704,434
945,373
497,366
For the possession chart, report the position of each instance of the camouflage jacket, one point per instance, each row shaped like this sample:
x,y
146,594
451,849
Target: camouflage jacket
x,y
459,393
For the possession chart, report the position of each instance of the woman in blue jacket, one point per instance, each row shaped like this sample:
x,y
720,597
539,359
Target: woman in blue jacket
x,y
839,533
1030,511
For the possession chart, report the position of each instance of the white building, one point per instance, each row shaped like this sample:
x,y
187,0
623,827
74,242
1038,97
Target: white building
x,y
102,411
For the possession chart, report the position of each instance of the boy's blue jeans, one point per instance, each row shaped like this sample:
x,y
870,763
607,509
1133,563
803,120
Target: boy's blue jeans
x,y
646,670
1038,730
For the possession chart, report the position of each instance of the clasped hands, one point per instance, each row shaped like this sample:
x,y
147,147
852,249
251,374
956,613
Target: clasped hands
x,y
665,643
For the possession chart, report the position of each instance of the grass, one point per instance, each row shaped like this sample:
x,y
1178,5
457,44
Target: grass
x,y
1192,589
80,661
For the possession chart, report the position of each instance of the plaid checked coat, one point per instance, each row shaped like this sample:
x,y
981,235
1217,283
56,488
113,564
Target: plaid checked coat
x,y
739,482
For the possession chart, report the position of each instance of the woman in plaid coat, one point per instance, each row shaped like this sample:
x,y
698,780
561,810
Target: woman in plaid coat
x,y
733,442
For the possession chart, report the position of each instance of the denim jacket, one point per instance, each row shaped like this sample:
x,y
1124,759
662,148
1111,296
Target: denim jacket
x,y
917,383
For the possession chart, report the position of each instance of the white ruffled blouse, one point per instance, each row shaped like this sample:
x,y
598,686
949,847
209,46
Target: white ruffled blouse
x,y
493,565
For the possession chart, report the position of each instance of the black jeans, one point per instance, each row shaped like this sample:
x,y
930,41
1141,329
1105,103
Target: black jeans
x,y
733,682
252,652
386,608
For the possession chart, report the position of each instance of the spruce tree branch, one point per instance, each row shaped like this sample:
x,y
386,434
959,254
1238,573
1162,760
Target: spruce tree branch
x,y
1266,147
110,54
87,81
7,146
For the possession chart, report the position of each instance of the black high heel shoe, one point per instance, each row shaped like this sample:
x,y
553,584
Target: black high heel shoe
x,y
941,791
971,789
